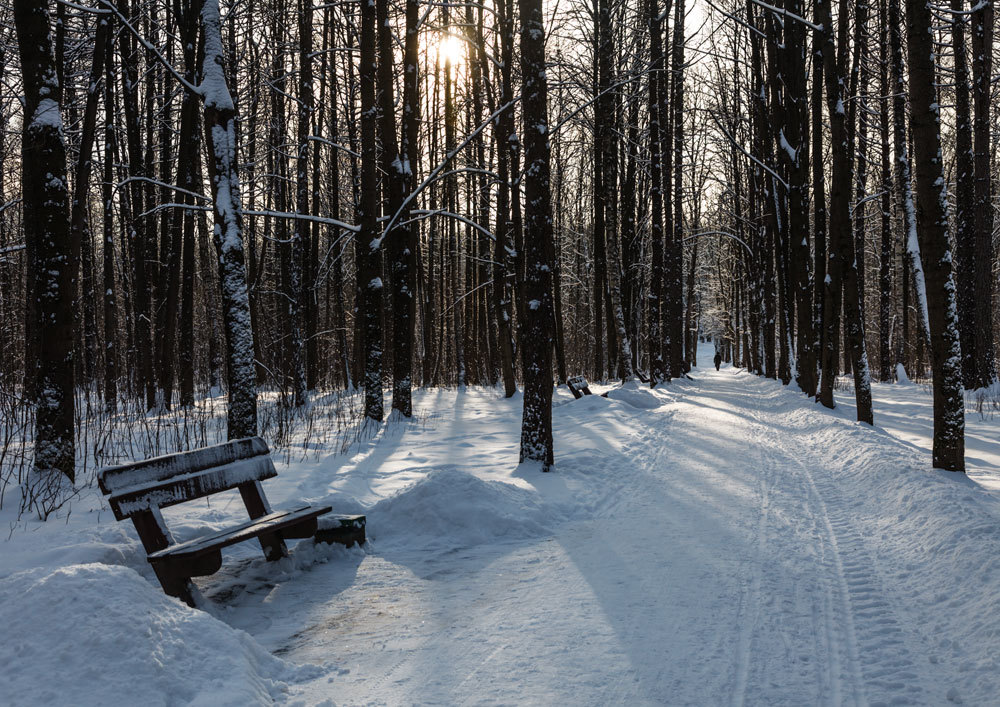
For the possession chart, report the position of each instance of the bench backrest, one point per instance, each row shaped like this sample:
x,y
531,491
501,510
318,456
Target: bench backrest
x,y
175,478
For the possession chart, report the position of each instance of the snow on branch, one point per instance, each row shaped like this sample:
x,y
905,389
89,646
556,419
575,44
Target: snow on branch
x,y
150,48
791,15
433,176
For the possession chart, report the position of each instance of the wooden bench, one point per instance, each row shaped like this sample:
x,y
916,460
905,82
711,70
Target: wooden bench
x,y
138,491
578,386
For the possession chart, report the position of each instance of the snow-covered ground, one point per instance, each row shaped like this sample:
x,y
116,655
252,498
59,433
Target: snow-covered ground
x,y
718,541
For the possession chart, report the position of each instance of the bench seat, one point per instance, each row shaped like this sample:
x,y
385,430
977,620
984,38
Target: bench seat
x,y
284,520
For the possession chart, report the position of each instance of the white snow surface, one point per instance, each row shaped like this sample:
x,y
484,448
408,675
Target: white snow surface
x,y
721,540
101,634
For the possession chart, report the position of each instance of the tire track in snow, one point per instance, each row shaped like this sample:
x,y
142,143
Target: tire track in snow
x,y
890,675
882,669
751,600
835,640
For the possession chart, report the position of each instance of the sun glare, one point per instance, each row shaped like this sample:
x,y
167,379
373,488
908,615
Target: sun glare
x,y
452,49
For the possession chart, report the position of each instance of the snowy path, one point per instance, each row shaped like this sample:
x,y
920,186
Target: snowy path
x,y
714,550
717,541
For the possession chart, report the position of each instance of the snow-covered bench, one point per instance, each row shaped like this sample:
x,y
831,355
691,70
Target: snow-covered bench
x,y
139,490
578,386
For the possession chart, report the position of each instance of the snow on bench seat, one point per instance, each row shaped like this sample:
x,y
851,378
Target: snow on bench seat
x,y
279,520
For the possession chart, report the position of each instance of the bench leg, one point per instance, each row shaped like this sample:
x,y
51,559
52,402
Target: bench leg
x,y
177,585
272,544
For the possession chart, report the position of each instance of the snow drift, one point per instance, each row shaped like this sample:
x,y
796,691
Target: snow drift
x,y
450,508
97,634
638,395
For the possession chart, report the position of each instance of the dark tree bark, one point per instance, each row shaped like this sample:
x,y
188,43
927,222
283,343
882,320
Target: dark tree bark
x,y
190,178
912,262
600,264
657,368
842,253
47,227
982,78
300,290
398,170
503,131
932,227
368,247
673,252
607,137
819,201
965,202
110,288
796,153
81,235
139,239
886,252
536,348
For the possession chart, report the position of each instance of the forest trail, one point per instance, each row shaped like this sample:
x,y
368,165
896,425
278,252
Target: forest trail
x,y
718,555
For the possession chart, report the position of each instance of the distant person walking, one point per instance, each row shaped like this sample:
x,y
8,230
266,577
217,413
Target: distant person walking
x,y
718,359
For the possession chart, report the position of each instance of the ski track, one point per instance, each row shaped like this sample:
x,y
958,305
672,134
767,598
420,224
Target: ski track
x,y
720,566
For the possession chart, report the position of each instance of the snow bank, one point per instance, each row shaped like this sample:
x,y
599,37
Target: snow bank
x,y
97,634
450,508
934,537
637,394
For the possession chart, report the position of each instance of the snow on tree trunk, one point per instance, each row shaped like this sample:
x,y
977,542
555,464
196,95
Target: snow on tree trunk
x,y
536,350
932,227
47,227
904,189
798,219
220,133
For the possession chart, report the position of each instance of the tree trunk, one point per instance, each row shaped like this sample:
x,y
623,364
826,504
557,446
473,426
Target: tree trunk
x,y
110,289
932,227
657,368
46,225
842,252
886,252
398,174
982,77
965,202
913,265
536,349
368,247
220,133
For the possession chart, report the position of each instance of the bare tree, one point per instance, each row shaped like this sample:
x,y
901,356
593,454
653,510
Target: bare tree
x,y
536,348
932,227
46,200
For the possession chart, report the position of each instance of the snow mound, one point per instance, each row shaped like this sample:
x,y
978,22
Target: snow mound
x,y
637,395
450,508
96,634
